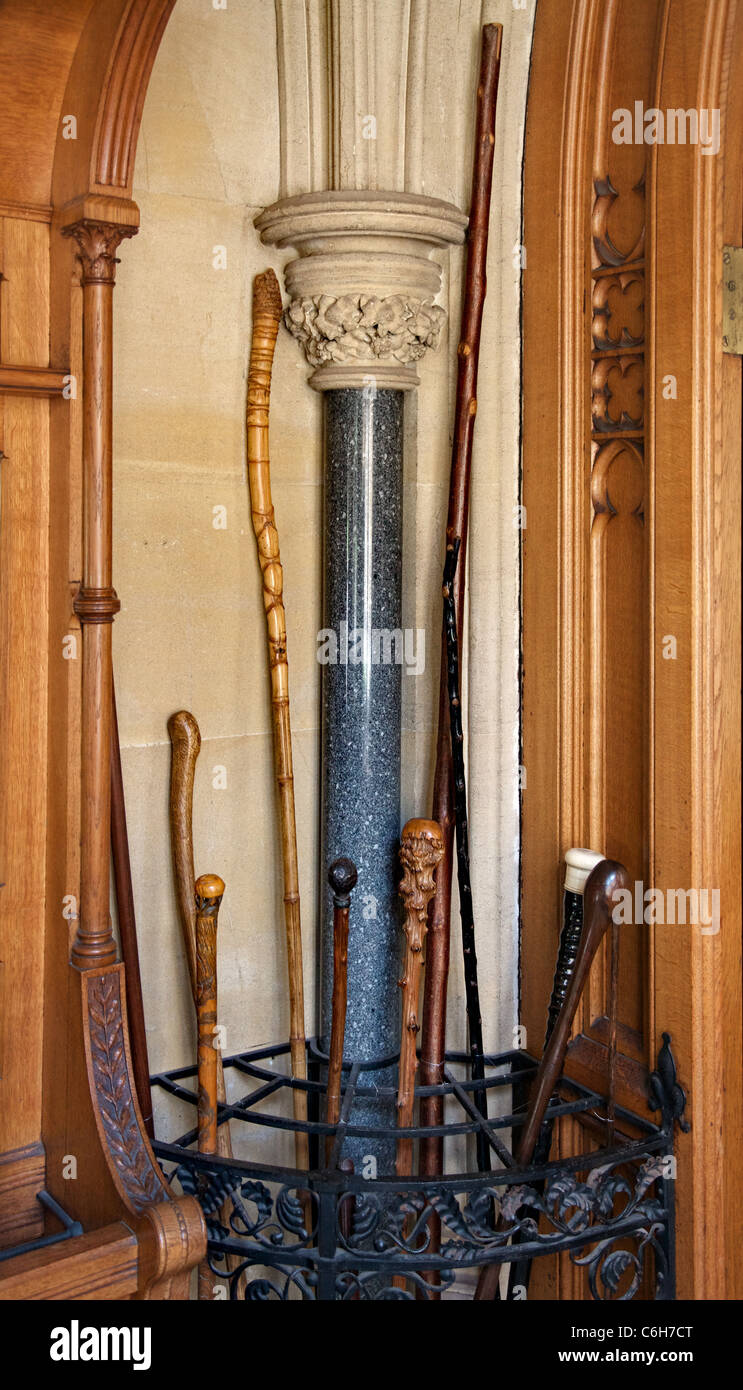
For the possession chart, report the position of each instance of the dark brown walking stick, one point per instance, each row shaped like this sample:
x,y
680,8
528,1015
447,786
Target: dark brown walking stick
x,y
466,911
128,929
606,880
578,866
437,966
342,876
209,891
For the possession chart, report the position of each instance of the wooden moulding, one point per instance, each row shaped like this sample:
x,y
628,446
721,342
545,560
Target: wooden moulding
x,y
22,1175
31,381
102,1264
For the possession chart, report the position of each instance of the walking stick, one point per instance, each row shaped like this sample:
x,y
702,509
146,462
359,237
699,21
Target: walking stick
x,y
185,745
185,742
604,882
342,876
578,866
128,929
471,987
209,891
437,967
421,850
267,311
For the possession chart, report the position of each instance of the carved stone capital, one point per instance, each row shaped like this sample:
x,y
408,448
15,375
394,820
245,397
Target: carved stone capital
x,y
97,244
362,290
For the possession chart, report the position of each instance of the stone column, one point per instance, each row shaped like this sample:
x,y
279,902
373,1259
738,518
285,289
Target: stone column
x,y
362,294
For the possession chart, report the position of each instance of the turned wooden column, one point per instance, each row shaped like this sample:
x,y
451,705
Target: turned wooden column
x,y
96,602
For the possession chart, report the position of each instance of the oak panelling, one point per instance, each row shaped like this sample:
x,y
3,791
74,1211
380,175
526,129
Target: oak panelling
x,y
22,1173
24,298
37,42
102,1264
24,578
633,535
696,697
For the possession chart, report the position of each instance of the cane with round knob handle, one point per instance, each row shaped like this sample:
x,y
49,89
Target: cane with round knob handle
x,y
342,877
605,881
209,892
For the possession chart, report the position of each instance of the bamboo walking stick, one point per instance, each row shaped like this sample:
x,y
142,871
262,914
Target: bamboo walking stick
x,y
209,891
267,311
128,929
437,967
342,876
605,881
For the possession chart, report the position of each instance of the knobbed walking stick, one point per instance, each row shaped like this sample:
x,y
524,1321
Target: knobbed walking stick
x,y
185,745
342,876
209,892
606,880
578,866
267,311
433,1039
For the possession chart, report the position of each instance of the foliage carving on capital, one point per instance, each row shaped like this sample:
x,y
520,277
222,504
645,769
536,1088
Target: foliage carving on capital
x,y
97,244
360,327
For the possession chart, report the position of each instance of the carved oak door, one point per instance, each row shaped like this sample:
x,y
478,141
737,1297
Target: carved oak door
x,y
631,579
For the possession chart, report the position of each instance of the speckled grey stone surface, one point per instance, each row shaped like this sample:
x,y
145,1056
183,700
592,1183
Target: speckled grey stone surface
x,y
361,727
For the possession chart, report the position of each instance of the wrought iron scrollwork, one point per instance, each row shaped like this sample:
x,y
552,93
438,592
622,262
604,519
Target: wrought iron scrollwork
x,y
327,1234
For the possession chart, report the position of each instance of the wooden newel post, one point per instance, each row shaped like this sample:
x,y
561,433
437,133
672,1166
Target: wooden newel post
x,y
421,851
96,602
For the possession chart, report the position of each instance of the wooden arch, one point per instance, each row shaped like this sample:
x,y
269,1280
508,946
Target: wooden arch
x,y
80,69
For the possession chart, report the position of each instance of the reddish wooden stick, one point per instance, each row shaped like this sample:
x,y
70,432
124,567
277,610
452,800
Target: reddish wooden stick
x,y
433,1037
342,876
607,879
128,929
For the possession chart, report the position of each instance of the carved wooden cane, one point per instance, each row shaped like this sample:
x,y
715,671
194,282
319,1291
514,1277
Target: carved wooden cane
x,y
128,928
342,876
209,892
267,311
578,866
606,880
437,966
421,851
